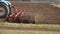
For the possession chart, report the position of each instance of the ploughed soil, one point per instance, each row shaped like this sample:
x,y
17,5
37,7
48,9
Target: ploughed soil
x,y
40,12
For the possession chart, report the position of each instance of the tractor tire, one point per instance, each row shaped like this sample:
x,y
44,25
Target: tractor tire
x,y
4,11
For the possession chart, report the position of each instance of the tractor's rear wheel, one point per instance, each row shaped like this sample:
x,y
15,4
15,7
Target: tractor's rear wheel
x,y
4,11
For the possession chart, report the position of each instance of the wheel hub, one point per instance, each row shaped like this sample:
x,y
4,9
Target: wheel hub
x,y
2,11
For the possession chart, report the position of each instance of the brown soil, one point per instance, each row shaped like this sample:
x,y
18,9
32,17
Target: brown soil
x,y
40,12
10,31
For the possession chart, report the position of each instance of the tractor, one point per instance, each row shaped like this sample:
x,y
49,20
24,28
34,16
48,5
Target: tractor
x,y
4,8
11,13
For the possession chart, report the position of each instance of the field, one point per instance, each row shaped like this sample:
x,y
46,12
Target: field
x,y
46,16
40,12
30,26
15,28
27,32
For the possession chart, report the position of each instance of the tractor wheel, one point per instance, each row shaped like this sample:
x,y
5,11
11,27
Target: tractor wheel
x,y
4,11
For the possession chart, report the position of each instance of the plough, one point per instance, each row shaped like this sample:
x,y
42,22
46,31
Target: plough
x,y
12,13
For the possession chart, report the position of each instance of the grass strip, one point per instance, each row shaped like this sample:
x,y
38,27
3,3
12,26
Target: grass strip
x,y
30,26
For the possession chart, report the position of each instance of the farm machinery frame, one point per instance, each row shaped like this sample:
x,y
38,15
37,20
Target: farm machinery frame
x,y
11,13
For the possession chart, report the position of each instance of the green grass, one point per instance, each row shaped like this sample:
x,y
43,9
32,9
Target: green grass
x,y
30,26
